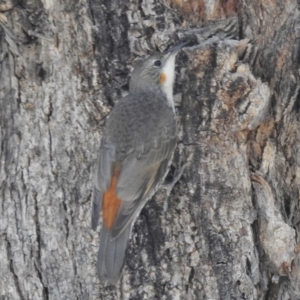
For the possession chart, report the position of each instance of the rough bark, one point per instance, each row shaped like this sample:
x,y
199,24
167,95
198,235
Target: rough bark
x,y
230,229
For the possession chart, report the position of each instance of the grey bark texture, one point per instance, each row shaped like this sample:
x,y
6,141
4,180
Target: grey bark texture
x,y
230,228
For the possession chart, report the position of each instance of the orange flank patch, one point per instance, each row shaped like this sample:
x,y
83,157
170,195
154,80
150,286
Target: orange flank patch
x,y
163,78
111,203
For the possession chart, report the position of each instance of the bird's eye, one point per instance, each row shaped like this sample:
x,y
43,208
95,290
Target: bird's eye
x,y
157,63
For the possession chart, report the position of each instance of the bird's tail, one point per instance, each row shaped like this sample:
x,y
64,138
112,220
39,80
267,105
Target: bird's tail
x,y
111,255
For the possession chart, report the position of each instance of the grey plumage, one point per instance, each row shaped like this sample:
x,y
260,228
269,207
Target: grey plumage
x,y
138,141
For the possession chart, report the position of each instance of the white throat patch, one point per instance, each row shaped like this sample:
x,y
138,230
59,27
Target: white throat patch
x,y
167,85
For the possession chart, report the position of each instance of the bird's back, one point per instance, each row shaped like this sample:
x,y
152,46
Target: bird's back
x,y
140,122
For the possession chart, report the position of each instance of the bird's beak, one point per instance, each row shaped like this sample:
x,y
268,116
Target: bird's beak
x,y
174,50
171,54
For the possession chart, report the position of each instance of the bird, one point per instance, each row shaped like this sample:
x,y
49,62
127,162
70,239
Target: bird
x,y
136,151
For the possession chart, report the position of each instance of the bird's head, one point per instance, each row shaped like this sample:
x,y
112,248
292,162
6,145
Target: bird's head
x,y
158,70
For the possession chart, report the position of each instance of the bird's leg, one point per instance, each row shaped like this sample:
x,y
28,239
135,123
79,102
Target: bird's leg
x,y
168,187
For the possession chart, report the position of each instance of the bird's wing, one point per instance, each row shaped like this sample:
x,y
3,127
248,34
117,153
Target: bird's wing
x,y
138,178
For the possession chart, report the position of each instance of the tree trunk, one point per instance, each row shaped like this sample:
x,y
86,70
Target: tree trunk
x,y
230,227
